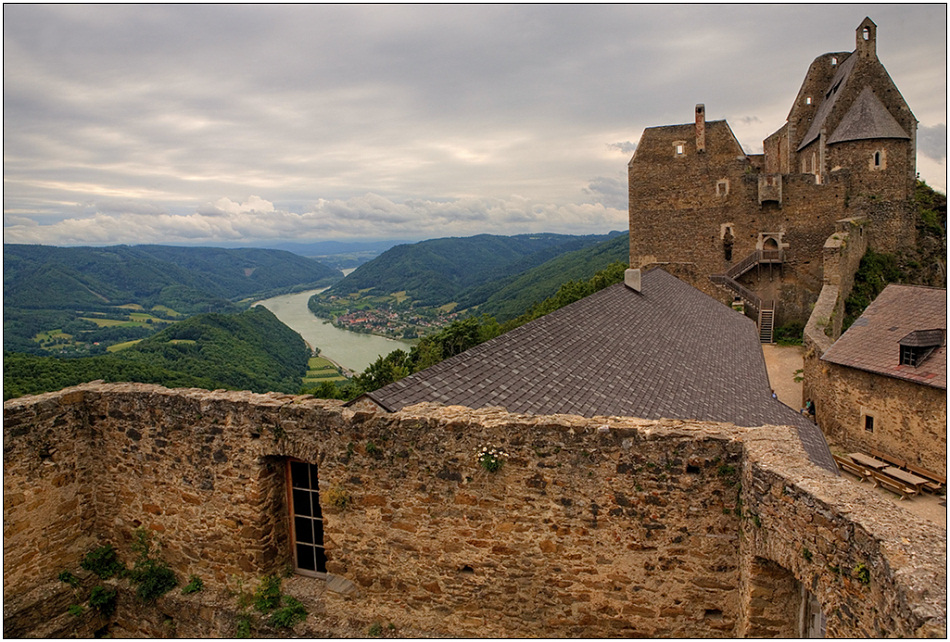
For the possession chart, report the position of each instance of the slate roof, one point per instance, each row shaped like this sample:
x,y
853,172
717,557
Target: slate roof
x,y
867,118
830,100
669,351
872,343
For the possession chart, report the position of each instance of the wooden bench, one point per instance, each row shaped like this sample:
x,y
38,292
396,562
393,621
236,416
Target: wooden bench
x,y
936,480
940,480
893,485
851,467
893,461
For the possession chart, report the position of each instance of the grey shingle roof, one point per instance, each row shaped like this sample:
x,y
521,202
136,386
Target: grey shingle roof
x,y
867,118
872,343
835,89
669,351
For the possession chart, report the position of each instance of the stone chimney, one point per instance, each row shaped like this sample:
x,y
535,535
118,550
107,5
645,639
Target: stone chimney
x,y
700,128
631,278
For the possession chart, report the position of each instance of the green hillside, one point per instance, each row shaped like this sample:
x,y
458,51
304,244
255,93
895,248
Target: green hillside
x,y
56,300
46,277
435,272
507,298
248,351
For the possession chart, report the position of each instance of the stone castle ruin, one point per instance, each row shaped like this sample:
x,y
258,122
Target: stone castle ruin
x,y
585,527
591,528
752,227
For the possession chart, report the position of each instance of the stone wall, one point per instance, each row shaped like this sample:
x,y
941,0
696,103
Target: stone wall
x,y
909,419
591,528
841,257
680,214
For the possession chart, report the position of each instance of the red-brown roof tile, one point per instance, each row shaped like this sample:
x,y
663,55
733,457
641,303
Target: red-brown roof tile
x,y
872,343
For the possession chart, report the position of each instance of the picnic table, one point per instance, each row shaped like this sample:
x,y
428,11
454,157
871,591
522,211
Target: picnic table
x,y
869,462
908,478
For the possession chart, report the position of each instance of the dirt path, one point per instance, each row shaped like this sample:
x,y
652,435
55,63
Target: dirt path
x,y
782,363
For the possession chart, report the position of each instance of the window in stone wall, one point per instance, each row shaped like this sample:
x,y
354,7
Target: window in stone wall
x,y
834,61
722,187
869,423
306,519
878,160
808,100
679,147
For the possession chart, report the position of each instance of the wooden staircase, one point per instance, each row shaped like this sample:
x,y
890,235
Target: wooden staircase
x,y
766,320
764,309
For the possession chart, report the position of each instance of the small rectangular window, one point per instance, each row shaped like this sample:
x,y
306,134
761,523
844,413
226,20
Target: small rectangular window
x,y
869,423
306,519
679,149
808,100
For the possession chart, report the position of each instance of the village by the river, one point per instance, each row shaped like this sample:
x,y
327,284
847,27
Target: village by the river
x,y
353,351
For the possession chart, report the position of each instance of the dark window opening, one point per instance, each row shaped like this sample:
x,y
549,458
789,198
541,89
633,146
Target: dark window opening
x,y
728,239
869,423
693,470
877,159
914,356
306,519
919,344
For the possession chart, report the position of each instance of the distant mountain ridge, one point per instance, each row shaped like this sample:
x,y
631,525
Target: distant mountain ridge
x,y
48,277
437,271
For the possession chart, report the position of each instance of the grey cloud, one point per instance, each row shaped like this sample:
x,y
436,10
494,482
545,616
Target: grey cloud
x,y
368,215
932,141
626,147
444,112
612,192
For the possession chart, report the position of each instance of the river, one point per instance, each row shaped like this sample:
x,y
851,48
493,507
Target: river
x,y
352,350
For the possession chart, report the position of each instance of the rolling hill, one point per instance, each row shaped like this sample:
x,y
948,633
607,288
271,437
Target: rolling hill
x,y
436,272
55,298
248,351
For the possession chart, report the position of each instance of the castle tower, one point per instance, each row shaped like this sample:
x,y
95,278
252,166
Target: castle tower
x,y
757,223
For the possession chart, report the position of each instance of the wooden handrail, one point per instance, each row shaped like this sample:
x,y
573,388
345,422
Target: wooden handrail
x,y
758,256
748,295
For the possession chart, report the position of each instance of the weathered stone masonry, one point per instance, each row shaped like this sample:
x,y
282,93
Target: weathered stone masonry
x,y
664,528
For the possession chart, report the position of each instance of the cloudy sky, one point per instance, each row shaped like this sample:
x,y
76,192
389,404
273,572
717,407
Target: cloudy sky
x,y
255,124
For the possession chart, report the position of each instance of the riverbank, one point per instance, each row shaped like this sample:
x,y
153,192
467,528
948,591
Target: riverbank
x,y
352,351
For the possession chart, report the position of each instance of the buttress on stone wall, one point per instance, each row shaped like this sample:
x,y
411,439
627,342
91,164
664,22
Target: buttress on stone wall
x,y
592,527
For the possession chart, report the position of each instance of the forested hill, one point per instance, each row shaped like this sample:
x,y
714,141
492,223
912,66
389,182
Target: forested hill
x,y
47,277
435,272
248,351
511,296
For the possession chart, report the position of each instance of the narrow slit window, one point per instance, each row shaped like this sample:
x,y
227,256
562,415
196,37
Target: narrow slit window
x,y
869,423
306,519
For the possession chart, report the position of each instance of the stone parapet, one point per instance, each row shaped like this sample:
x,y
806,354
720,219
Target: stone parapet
x,y
591,527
